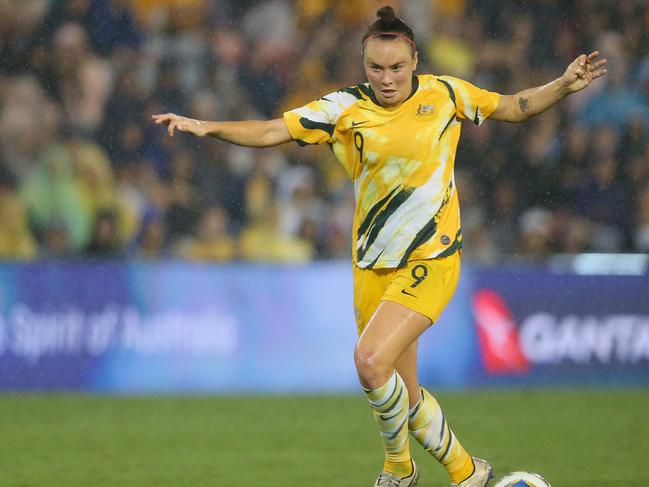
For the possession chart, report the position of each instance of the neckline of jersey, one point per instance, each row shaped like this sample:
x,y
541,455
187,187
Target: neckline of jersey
x,y
415,88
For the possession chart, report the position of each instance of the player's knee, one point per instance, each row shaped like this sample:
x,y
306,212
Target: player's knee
x,y
372,369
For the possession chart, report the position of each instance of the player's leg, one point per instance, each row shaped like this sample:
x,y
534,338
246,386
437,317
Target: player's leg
x,y
427,422
407,368
392,329
428,425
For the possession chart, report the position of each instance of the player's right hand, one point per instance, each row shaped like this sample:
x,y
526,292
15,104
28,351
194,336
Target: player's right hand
x,y
184,124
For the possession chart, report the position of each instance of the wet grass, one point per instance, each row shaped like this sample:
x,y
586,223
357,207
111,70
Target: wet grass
x,y
575,439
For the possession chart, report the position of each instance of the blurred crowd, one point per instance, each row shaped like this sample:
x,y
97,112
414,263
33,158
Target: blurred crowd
x,y
85,174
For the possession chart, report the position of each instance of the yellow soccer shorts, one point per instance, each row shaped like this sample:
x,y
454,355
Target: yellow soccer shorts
x,y
424,286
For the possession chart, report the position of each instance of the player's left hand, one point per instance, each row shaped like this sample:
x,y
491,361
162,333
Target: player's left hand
x,y
583,71
182,124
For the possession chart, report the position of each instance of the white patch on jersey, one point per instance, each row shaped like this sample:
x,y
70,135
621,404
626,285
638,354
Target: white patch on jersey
x,y
371,157
404,224
469,109
370,192
454,122
392,169
313,115
330,107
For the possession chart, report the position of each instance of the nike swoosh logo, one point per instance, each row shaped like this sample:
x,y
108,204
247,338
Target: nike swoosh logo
x,y
409,294
356,124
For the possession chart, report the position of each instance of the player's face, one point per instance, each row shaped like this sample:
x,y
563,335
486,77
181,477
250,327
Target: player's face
x,y
389,65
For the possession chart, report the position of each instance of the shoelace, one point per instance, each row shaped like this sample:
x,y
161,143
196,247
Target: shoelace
x,y
385,481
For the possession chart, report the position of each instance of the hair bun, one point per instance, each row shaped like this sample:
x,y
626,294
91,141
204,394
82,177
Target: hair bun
x,y
386,13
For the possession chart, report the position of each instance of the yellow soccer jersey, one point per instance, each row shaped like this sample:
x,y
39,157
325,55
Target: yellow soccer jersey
x,y
401,160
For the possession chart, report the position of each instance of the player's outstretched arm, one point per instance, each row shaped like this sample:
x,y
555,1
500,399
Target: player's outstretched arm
x,y
248,133
525,104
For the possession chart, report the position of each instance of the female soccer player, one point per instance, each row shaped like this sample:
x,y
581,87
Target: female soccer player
x,y
397,136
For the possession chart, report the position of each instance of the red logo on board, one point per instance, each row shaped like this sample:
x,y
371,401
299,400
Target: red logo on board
x,y
500,347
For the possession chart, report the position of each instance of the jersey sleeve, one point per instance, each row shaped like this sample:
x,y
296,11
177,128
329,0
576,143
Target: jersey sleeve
x,y
471,102
315,122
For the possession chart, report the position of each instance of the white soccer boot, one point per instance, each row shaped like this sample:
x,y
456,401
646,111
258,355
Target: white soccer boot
x,y
387,479
481,476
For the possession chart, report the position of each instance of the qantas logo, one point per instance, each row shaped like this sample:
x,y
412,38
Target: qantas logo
x,y
498,335
547,339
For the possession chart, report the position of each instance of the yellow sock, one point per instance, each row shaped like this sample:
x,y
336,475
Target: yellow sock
x,y
428,425
390,406
400,469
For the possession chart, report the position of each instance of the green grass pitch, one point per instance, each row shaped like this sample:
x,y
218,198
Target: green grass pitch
x,y
575,439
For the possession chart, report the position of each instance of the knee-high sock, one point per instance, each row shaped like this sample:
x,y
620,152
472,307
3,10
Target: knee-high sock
x,y
390,406
428,425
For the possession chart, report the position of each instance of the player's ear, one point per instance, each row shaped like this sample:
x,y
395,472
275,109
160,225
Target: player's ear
x,y
415,60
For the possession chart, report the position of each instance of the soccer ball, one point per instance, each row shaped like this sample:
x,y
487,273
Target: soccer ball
x,y
522,479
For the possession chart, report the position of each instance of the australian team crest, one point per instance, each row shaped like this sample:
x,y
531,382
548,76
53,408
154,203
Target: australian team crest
x,y
425,109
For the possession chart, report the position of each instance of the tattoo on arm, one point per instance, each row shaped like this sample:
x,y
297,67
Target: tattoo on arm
x,y
524,103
